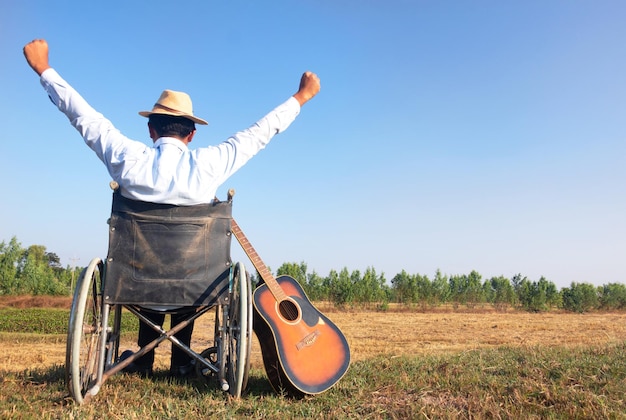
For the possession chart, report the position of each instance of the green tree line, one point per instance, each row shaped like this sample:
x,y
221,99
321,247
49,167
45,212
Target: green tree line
x,y
370,289
35,271
32,271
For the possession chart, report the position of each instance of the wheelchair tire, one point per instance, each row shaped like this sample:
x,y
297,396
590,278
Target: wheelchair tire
x,y
240,332
82,358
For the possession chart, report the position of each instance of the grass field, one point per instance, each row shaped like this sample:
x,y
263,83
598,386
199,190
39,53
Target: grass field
x,y
406,364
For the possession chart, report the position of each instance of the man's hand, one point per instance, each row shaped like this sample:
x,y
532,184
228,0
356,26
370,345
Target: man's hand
x,y
309,87
36,53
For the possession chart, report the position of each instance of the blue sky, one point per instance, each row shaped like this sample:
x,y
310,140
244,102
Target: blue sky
x,y
450,135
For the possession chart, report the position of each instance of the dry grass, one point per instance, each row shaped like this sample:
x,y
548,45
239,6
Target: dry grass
x,y
35,301
406,364
373,333
370,333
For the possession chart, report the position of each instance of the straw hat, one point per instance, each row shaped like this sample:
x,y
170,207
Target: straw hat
x,y
174,103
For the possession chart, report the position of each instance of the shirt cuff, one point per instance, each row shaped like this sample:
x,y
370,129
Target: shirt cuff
x,y
294,105
48,74
48,79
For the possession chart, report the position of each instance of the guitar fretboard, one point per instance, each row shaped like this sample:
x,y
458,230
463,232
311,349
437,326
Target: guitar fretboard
x,y
260,266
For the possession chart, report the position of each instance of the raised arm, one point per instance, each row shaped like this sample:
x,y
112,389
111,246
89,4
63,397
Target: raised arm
x,y
36,53
309,87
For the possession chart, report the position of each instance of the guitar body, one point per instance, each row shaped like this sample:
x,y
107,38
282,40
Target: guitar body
x,y
304,353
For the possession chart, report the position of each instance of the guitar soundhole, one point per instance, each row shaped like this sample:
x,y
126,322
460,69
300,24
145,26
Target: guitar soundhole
x,y
288,310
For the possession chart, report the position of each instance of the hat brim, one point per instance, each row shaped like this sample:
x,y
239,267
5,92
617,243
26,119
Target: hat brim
x,y
190,117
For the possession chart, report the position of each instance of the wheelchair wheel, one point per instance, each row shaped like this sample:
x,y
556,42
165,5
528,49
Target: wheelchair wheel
x,y
239,332
82,359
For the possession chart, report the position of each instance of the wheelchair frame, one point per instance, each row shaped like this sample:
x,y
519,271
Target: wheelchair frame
x,y
92,353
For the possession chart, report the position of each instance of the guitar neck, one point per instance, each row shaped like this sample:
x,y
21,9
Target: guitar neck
x,y
260,266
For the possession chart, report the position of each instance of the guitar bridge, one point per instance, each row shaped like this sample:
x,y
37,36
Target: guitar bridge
x,y
308,340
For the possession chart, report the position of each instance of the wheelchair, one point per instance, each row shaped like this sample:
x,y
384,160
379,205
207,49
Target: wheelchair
x,y
168,259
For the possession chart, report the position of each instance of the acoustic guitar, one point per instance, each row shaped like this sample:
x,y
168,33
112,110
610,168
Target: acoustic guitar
x,y
304,353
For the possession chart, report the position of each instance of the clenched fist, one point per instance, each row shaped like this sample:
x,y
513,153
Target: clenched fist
x,y
36,53
309,87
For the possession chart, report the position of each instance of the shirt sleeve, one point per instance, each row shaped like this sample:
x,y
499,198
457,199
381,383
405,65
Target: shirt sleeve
x,y
97,131
223,160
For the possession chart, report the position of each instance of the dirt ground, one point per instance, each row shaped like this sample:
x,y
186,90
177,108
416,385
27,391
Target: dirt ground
x,y
370,333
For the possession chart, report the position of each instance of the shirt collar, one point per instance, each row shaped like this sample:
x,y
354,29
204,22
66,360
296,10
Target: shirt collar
x,y
171,140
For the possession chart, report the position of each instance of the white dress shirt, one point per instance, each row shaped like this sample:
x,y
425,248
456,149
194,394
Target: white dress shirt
x,y
167,171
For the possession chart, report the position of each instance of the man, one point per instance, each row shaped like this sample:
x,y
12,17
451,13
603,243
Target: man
x,y
168,171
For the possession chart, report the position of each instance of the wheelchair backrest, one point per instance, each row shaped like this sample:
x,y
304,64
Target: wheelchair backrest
x,y
162,254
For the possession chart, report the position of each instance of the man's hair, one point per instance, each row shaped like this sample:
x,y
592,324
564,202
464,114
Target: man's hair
x,y
168,125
